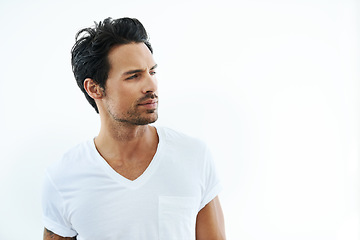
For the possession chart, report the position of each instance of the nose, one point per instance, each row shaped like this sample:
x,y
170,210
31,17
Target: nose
x,y
150,84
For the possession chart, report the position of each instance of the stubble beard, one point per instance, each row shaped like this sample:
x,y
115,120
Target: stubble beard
x,y
134,117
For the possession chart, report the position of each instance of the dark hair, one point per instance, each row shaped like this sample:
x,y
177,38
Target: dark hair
x,y
89,55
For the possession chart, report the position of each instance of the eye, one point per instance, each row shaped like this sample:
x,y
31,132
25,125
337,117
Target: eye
x,y
132,77
152,73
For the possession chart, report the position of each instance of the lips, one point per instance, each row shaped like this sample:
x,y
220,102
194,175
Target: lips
x,y
149,102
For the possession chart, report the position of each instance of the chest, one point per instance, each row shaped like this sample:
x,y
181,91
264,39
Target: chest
x,y
130,171
132,167
161,203
149,212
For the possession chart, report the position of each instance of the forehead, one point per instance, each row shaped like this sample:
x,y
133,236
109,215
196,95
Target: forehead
x,y
129,57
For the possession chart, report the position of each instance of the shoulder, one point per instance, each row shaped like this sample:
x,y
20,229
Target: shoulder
x,y
72,160
182,146
173,137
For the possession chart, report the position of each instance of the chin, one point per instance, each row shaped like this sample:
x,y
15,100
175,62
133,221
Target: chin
x,y
153,120
146,121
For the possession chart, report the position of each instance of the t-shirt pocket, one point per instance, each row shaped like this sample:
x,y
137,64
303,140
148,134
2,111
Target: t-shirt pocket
x,y
177,218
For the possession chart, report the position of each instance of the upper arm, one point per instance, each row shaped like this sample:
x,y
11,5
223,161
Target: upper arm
x,y
48,235
210,222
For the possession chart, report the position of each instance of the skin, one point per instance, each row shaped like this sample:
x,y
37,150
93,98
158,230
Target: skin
x,y
126,106
125,140
50,235
210,223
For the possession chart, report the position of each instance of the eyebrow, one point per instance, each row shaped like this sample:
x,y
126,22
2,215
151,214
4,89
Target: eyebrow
x,y
138,70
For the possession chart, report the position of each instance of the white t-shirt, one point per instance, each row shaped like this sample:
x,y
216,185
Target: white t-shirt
x,y
84,197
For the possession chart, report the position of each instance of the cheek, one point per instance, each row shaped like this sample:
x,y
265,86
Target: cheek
x,y
123,95
123,100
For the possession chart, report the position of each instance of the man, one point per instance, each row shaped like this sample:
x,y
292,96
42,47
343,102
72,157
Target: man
x,y
133,181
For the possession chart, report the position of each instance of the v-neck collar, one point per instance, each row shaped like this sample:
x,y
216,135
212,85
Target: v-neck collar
x,y
144,177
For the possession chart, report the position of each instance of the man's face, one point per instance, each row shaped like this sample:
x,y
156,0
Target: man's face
x,y
131,87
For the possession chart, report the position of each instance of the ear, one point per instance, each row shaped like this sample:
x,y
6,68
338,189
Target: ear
x,y
93,89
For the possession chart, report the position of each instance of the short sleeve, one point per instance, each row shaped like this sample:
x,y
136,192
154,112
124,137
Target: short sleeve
x,y
53,210
212,185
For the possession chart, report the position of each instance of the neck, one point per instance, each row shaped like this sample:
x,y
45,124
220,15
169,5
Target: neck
x,y
123,133
124,142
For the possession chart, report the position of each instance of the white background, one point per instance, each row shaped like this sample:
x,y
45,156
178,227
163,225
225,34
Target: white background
x,y
272,86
